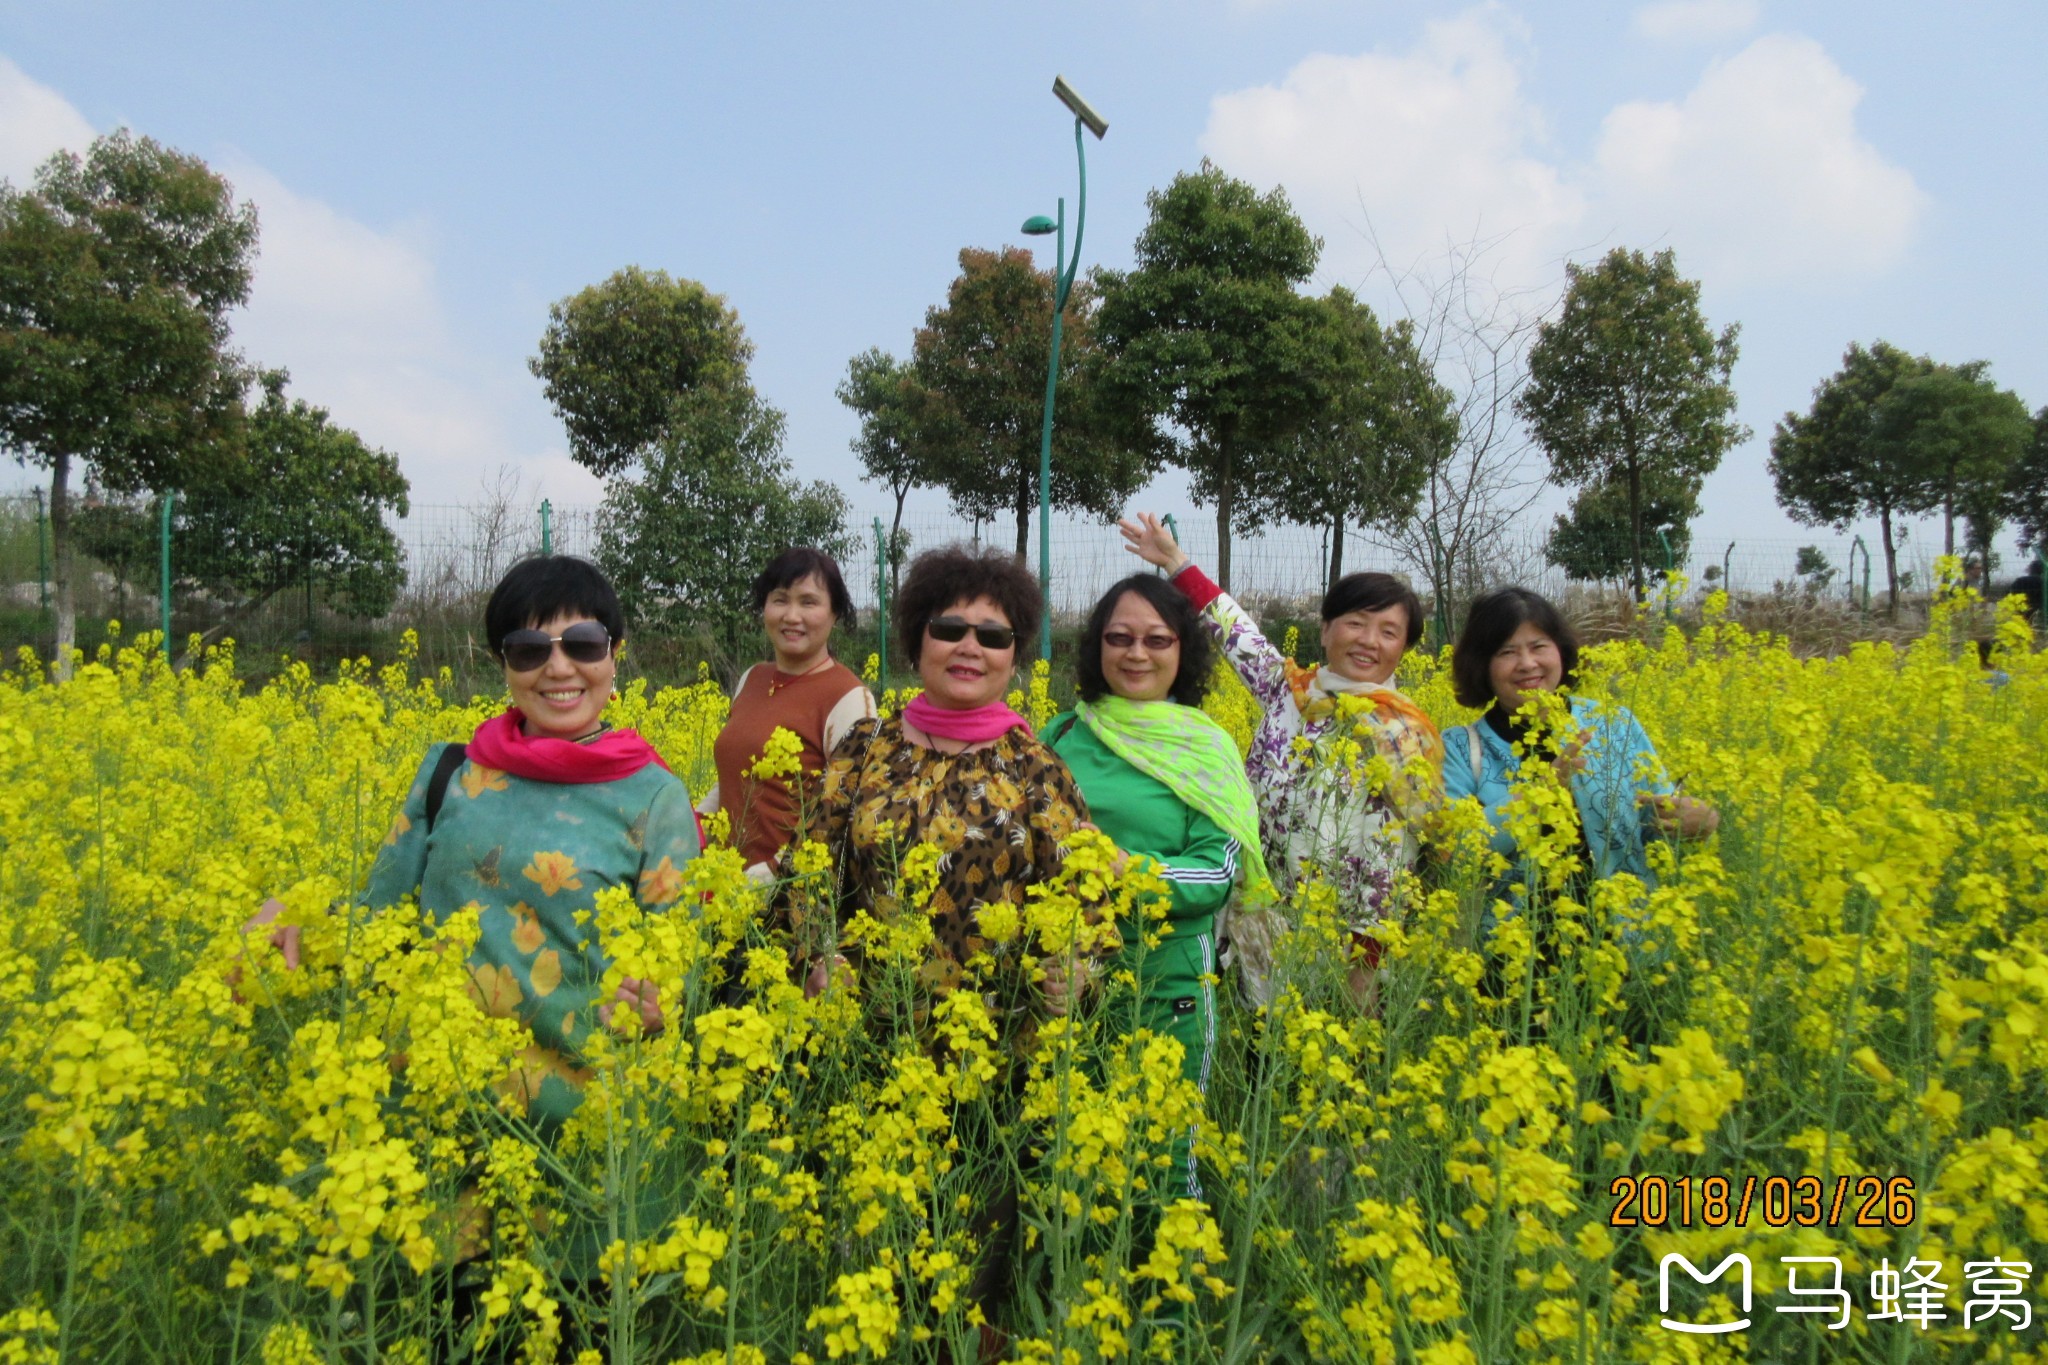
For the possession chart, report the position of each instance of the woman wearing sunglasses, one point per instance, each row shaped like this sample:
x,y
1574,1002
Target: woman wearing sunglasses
x,y
960,771
1322,812
803,690
1166,784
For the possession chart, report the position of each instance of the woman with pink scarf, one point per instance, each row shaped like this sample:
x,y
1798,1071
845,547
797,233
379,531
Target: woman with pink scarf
x,y
958,770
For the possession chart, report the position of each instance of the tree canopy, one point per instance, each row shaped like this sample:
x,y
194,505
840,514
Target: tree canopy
x,y
711,503
1212,346
618,358
1594,541
117,272
1628,385
976,397
1365,457
320,518
1892,434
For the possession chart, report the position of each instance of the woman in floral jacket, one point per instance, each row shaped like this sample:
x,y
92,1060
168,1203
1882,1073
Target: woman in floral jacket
x,y
1327,807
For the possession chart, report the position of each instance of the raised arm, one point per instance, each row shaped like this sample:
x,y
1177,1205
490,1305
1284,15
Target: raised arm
x,y
1261,667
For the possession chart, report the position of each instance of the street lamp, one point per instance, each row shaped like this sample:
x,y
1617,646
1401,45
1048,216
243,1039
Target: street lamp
x,y
1063,270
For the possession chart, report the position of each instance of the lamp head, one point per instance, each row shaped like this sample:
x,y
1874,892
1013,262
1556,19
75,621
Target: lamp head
x,y
1072,99
1038,225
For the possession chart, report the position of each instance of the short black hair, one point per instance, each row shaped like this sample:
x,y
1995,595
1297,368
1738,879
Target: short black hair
x,y
1493,619
959,573
792,567
1197,653
1373,592
541,588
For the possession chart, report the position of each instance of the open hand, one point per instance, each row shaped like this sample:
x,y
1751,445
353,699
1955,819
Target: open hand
x,y
1681,816
1147,537
285,938
640,997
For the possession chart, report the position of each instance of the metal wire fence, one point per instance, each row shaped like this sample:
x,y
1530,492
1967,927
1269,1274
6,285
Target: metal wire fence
x,y
452,555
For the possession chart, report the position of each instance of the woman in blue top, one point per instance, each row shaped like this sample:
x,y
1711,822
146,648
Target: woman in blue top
x,y
1516,644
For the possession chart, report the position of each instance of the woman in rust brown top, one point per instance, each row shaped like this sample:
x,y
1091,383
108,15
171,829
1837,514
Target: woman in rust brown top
x,y
804,690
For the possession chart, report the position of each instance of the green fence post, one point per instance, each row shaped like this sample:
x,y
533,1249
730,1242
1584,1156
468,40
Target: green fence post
x,y
163,569
1670,563
547,529
1854,546
1727,562
881,608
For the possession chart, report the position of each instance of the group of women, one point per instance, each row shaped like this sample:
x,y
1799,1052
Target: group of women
x,y
547,804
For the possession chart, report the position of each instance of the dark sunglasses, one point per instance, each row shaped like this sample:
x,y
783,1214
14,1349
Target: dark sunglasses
x,y
586,642
951,630
1123,639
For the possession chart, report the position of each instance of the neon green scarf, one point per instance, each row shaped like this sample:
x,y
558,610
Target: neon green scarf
x,y
1191,756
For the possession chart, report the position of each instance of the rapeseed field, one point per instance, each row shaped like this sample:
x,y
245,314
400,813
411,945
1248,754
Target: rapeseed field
x,y
1819,1043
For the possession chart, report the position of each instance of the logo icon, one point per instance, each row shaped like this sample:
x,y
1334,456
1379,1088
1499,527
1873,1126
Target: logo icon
x,y
1735,1258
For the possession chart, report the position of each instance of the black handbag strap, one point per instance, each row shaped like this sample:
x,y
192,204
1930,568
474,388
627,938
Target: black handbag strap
x,y
444,772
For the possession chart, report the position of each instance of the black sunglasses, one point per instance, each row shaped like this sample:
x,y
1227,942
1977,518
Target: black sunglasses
x,y
951,630
586,642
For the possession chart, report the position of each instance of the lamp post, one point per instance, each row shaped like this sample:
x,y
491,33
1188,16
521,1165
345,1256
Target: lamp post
x,y
1038,225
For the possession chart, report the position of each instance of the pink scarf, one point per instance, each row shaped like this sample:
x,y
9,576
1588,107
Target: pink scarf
x,y
502,743
977,726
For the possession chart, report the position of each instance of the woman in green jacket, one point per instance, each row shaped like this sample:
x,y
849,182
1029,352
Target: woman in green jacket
x,y
1167,784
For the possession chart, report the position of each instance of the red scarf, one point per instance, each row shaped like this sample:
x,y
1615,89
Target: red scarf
x,y
502,743
977,726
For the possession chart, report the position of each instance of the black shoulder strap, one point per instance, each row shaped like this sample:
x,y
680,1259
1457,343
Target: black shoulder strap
x,y
444,773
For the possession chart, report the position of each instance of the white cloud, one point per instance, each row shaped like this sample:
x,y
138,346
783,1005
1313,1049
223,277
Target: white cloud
x,y
355,314
1695,21
1433,145
1759,173
34,122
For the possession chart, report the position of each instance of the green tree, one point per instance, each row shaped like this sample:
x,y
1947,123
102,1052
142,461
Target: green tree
x,y
1832,464
712,501
618,357
1595,542
318,520
891,447
975,394
2026,489
117,272
1964,434
1366,456
1893,434
1214,350
1629,385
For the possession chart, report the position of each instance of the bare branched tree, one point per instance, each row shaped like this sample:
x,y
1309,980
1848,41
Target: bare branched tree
x,y
1475,332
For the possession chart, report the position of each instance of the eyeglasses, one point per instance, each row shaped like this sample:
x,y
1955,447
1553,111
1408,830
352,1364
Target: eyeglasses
x,y
951,630
586,642
1158,643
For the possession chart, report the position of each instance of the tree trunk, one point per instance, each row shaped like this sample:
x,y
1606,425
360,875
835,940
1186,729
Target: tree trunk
x,y
1635,525
1023,519
60,565
890,552
1891,559
1948,521
1226,498
1336,552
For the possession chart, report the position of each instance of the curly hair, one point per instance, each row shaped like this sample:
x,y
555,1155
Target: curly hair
x,y
1491,622
952,574
1197,652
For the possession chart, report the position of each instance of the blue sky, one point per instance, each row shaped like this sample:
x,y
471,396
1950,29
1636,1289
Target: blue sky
x,y
431,177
